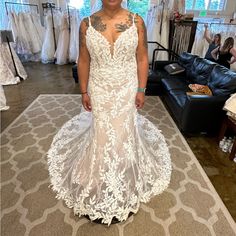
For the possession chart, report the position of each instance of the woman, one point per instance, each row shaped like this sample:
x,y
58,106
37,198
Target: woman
x,y
226,54
212,43
108,159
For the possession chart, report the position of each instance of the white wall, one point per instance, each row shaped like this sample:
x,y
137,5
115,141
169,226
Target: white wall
x,y
230,7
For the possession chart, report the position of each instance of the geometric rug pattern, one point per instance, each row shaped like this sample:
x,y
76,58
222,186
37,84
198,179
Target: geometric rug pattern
x,y
189,206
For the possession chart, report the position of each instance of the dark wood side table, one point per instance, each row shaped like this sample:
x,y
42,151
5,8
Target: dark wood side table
x,y
228,124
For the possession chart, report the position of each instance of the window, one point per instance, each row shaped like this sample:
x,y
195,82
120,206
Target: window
x,y
138,6
11,7
209,5
85,7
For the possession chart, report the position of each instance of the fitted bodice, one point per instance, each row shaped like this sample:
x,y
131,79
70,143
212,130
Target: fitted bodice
x,y
121,53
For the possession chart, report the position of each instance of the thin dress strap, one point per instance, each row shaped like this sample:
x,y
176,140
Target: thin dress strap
x,y
89,21
134,18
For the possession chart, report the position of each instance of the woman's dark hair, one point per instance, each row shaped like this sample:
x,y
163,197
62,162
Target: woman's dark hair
x,y
219,36
229,43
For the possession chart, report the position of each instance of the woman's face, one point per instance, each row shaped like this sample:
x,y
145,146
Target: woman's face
x,y
111,3
216,39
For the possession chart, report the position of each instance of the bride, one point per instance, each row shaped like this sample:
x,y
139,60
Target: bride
x,y
108,159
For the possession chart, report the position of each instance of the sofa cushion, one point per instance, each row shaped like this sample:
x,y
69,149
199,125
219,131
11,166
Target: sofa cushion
x,y
179,97
222,81
200,71
186,59
156,76
175,83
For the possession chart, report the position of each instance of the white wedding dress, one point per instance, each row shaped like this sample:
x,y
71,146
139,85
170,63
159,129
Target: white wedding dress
x,y
48,48
74,38
106,162
62,52
7,69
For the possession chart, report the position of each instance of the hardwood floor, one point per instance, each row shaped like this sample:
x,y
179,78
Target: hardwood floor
x,y
51,79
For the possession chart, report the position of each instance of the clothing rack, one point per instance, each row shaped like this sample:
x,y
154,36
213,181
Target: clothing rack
x,y
162,15
68,12
51,6
215,23
22,4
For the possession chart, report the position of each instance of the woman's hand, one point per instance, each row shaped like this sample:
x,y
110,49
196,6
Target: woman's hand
x,y
139,102
86,102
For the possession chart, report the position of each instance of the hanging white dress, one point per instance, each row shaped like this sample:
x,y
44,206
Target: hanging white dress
x,y
62,51
3,106
164,35
35,41
39,28
13,26
7,70
74,38
153,27
24,48
106,162
48,49
57,17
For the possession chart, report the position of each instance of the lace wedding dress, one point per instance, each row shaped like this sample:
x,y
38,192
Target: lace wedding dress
x,y
48,48
62,51
106,162
7,70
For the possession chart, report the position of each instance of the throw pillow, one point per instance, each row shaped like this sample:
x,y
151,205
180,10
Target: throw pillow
x,y
200,89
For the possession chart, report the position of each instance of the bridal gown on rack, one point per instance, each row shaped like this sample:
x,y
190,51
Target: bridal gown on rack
x,y
106,162
7,70
153,26
48,48
3,106
38,26
32,33
74,36
62,52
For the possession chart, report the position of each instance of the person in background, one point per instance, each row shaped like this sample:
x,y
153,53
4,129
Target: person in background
x,y
225,54
213,43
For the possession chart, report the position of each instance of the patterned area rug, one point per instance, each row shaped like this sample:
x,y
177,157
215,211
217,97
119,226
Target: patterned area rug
x,y
190,206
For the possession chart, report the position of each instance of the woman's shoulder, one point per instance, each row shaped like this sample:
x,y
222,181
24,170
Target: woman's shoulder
x,y
134,15
96,14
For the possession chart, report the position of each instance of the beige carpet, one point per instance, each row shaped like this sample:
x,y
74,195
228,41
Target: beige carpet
x,y
190,206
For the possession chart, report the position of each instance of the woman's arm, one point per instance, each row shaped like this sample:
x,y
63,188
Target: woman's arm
x,y
214,53
84,65
142,61
233,53
206,34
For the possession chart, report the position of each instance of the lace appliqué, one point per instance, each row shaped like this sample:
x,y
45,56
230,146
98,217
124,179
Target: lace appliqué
x,y
104,163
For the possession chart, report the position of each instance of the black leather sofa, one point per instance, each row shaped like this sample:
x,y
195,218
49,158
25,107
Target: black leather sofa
x,y
195,113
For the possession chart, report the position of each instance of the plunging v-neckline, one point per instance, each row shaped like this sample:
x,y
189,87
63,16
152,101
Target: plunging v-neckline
x,y
111,45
